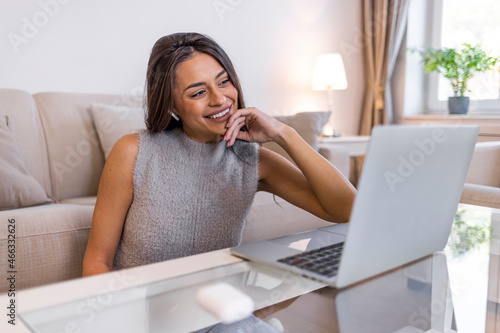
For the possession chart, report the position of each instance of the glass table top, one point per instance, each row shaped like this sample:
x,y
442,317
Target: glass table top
x,y
456,289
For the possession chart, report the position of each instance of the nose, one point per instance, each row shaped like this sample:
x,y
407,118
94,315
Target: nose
x,y
217,98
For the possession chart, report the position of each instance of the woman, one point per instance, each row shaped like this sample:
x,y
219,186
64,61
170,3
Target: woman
x,y
185,185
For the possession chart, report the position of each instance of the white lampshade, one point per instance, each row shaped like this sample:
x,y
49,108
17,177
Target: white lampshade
x,y
329,73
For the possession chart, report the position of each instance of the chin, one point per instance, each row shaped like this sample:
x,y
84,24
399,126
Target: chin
x,y
220,130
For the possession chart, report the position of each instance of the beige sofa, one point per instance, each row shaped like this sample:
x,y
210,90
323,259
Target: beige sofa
x,y
57,139
482,185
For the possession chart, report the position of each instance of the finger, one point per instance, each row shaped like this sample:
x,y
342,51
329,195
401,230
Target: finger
x,y
233,138
243,136
239,113
236,126
237,130
232,133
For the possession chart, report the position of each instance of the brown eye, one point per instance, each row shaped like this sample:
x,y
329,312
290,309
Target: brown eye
x,y
197,94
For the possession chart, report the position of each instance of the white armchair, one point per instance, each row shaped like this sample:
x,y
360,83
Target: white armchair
x,y
482,185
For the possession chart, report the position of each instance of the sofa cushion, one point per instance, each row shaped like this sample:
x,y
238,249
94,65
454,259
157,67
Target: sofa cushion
x,y
112,122
17,187
309,125
271,216
50,243
86,201
26,126
75,154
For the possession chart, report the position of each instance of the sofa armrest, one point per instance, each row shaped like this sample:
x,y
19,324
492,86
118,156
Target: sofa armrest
x,y
50,243
339,157
485,165
481,195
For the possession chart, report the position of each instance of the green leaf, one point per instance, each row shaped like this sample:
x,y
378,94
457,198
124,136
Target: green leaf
x,y
458,66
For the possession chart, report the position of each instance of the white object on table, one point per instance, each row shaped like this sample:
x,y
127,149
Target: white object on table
x,y
225,302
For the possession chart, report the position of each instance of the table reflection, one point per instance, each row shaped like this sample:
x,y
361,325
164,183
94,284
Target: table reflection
x,y
388,304
415,298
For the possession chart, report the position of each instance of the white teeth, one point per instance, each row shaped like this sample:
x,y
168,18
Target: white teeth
x,y
218,115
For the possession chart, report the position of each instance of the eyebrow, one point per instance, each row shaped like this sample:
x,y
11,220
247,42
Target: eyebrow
x,y
193,85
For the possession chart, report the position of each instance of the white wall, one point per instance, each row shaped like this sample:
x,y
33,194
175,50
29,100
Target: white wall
x,y
103,46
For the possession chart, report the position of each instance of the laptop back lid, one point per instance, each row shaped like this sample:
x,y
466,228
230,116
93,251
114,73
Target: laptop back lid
x,y
407,197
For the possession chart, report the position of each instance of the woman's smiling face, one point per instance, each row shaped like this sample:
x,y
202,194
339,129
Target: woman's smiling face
x,y
204,97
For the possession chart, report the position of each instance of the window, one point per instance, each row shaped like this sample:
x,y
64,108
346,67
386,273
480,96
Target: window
x,y
455,22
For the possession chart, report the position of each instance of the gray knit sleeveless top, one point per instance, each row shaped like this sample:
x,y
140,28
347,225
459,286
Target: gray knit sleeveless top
x,y
189,197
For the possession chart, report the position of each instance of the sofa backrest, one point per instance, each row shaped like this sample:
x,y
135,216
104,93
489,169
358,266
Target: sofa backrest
x,y
25,123
75,156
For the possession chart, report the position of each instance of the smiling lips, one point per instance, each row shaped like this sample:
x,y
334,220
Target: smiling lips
x,y
220,114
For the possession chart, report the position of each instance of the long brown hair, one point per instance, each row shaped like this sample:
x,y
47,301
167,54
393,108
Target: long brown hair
x,y
167,53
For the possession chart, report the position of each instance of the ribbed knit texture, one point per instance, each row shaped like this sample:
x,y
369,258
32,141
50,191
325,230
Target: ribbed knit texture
x,y
189,197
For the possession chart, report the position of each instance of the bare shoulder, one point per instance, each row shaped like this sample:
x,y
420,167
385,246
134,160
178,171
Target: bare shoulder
x,y
124,154
127,144
117,175
127,147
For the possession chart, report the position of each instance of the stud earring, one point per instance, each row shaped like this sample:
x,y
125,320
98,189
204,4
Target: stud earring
x,y
176,117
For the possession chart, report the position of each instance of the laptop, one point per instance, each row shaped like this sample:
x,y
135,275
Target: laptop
x,y
407,198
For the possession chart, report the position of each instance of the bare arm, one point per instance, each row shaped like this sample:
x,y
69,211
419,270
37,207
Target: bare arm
x,y
316,185
113,201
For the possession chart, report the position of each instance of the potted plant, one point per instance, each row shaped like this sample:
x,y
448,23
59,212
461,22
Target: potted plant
x,y
458,66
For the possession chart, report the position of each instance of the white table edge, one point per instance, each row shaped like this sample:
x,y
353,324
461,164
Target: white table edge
x,y
67,291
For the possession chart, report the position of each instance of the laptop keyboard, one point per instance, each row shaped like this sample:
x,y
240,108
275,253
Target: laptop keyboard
x,y
322,261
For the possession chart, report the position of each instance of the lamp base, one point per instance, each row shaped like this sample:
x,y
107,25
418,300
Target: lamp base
x,y
333,134
329,132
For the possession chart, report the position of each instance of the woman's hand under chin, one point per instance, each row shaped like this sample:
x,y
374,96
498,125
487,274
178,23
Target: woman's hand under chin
x,y
261,127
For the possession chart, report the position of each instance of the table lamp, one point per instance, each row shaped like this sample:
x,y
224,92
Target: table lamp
x,y
329,75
